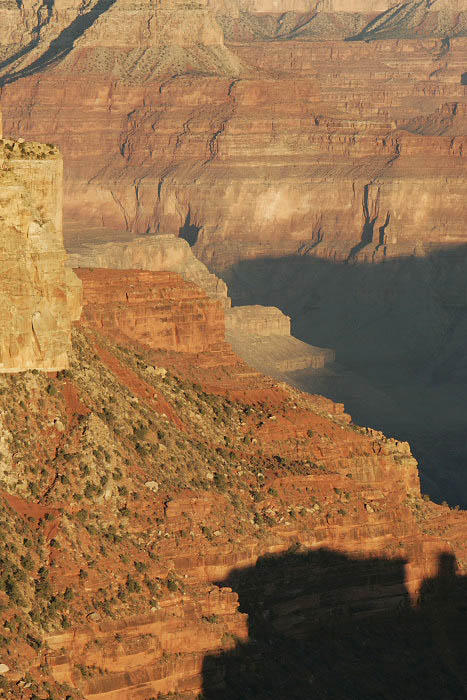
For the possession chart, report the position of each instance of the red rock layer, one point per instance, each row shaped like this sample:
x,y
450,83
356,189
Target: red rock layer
x,y
159,309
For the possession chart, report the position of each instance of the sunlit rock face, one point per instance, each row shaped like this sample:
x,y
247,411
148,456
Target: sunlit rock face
x,y
163,253
38,298
159,309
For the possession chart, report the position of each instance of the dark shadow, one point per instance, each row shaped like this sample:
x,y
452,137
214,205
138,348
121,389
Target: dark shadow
x,y
393,23
189,231
61,46
325,625
368,226
399,329
464,79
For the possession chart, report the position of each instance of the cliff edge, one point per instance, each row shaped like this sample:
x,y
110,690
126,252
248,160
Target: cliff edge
x,y
38,297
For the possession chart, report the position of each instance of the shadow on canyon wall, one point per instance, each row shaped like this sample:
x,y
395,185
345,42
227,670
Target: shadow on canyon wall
x,y
399,329
324,625
59,48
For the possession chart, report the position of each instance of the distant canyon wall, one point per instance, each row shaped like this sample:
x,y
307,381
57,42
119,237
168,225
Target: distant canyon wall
x,y
343,150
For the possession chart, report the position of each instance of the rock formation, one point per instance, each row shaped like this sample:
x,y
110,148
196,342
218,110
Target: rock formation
x,y
158,309
257,320
157,253
38,297
260,335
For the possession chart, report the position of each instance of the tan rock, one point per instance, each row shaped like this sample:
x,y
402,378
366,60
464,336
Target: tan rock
x,y
157,253
257,320
35,324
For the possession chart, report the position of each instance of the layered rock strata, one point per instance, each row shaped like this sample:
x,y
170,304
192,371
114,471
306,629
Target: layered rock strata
x,y
158,309
257,320
158,253
38,297
327,172
260,335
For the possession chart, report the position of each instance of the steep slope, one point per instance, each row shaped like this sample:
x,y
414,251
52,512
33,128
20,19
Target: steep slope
x,y
145,477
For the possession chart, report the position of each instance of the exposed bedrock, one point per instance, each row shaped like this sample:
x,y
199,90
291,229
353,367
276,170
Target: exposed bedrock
x,y
158,309
38,298
157,253
363,159
261,336
338,151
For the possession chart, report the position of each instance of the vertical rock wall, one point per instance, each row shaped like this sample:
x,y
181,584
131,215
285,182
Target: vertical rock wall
x,y
35,303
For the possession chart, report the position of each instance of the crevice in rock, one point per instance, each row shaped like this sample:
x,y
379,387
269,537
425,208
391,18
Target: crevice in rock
x,y
368,224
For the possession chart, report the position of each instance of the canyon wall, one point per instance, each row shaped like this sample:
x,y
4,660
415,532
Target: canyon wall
x,y
39,299
245,173
259,334
157,253
158,309
303,152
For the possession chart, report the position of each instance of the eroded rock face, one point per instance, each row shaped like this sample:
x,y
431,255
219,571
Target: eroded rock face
x,y
37,303
158,309
257,320
260,335
157,253
329,171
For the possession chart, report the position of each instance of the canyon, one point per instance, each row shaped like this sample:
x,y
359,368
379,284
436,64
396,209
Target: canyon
x,y
313,158
157,493
184,513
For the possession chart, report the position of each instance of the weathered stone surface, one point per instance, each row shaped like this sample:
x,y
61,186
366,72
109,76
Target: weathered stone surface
x,y
35,290
159,309
257,320
260,335
157,253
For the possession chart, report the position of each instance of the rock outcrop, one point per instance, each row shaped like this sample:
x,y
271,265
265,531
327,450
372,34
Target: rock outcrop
x,y
161,146
260,335
158,253
38,297
257,320
157,309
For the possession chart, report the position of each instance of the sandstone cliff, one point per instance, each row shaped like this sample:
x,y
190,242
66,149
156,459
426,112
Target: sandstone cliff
x,y
158,309
38,298
157,253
